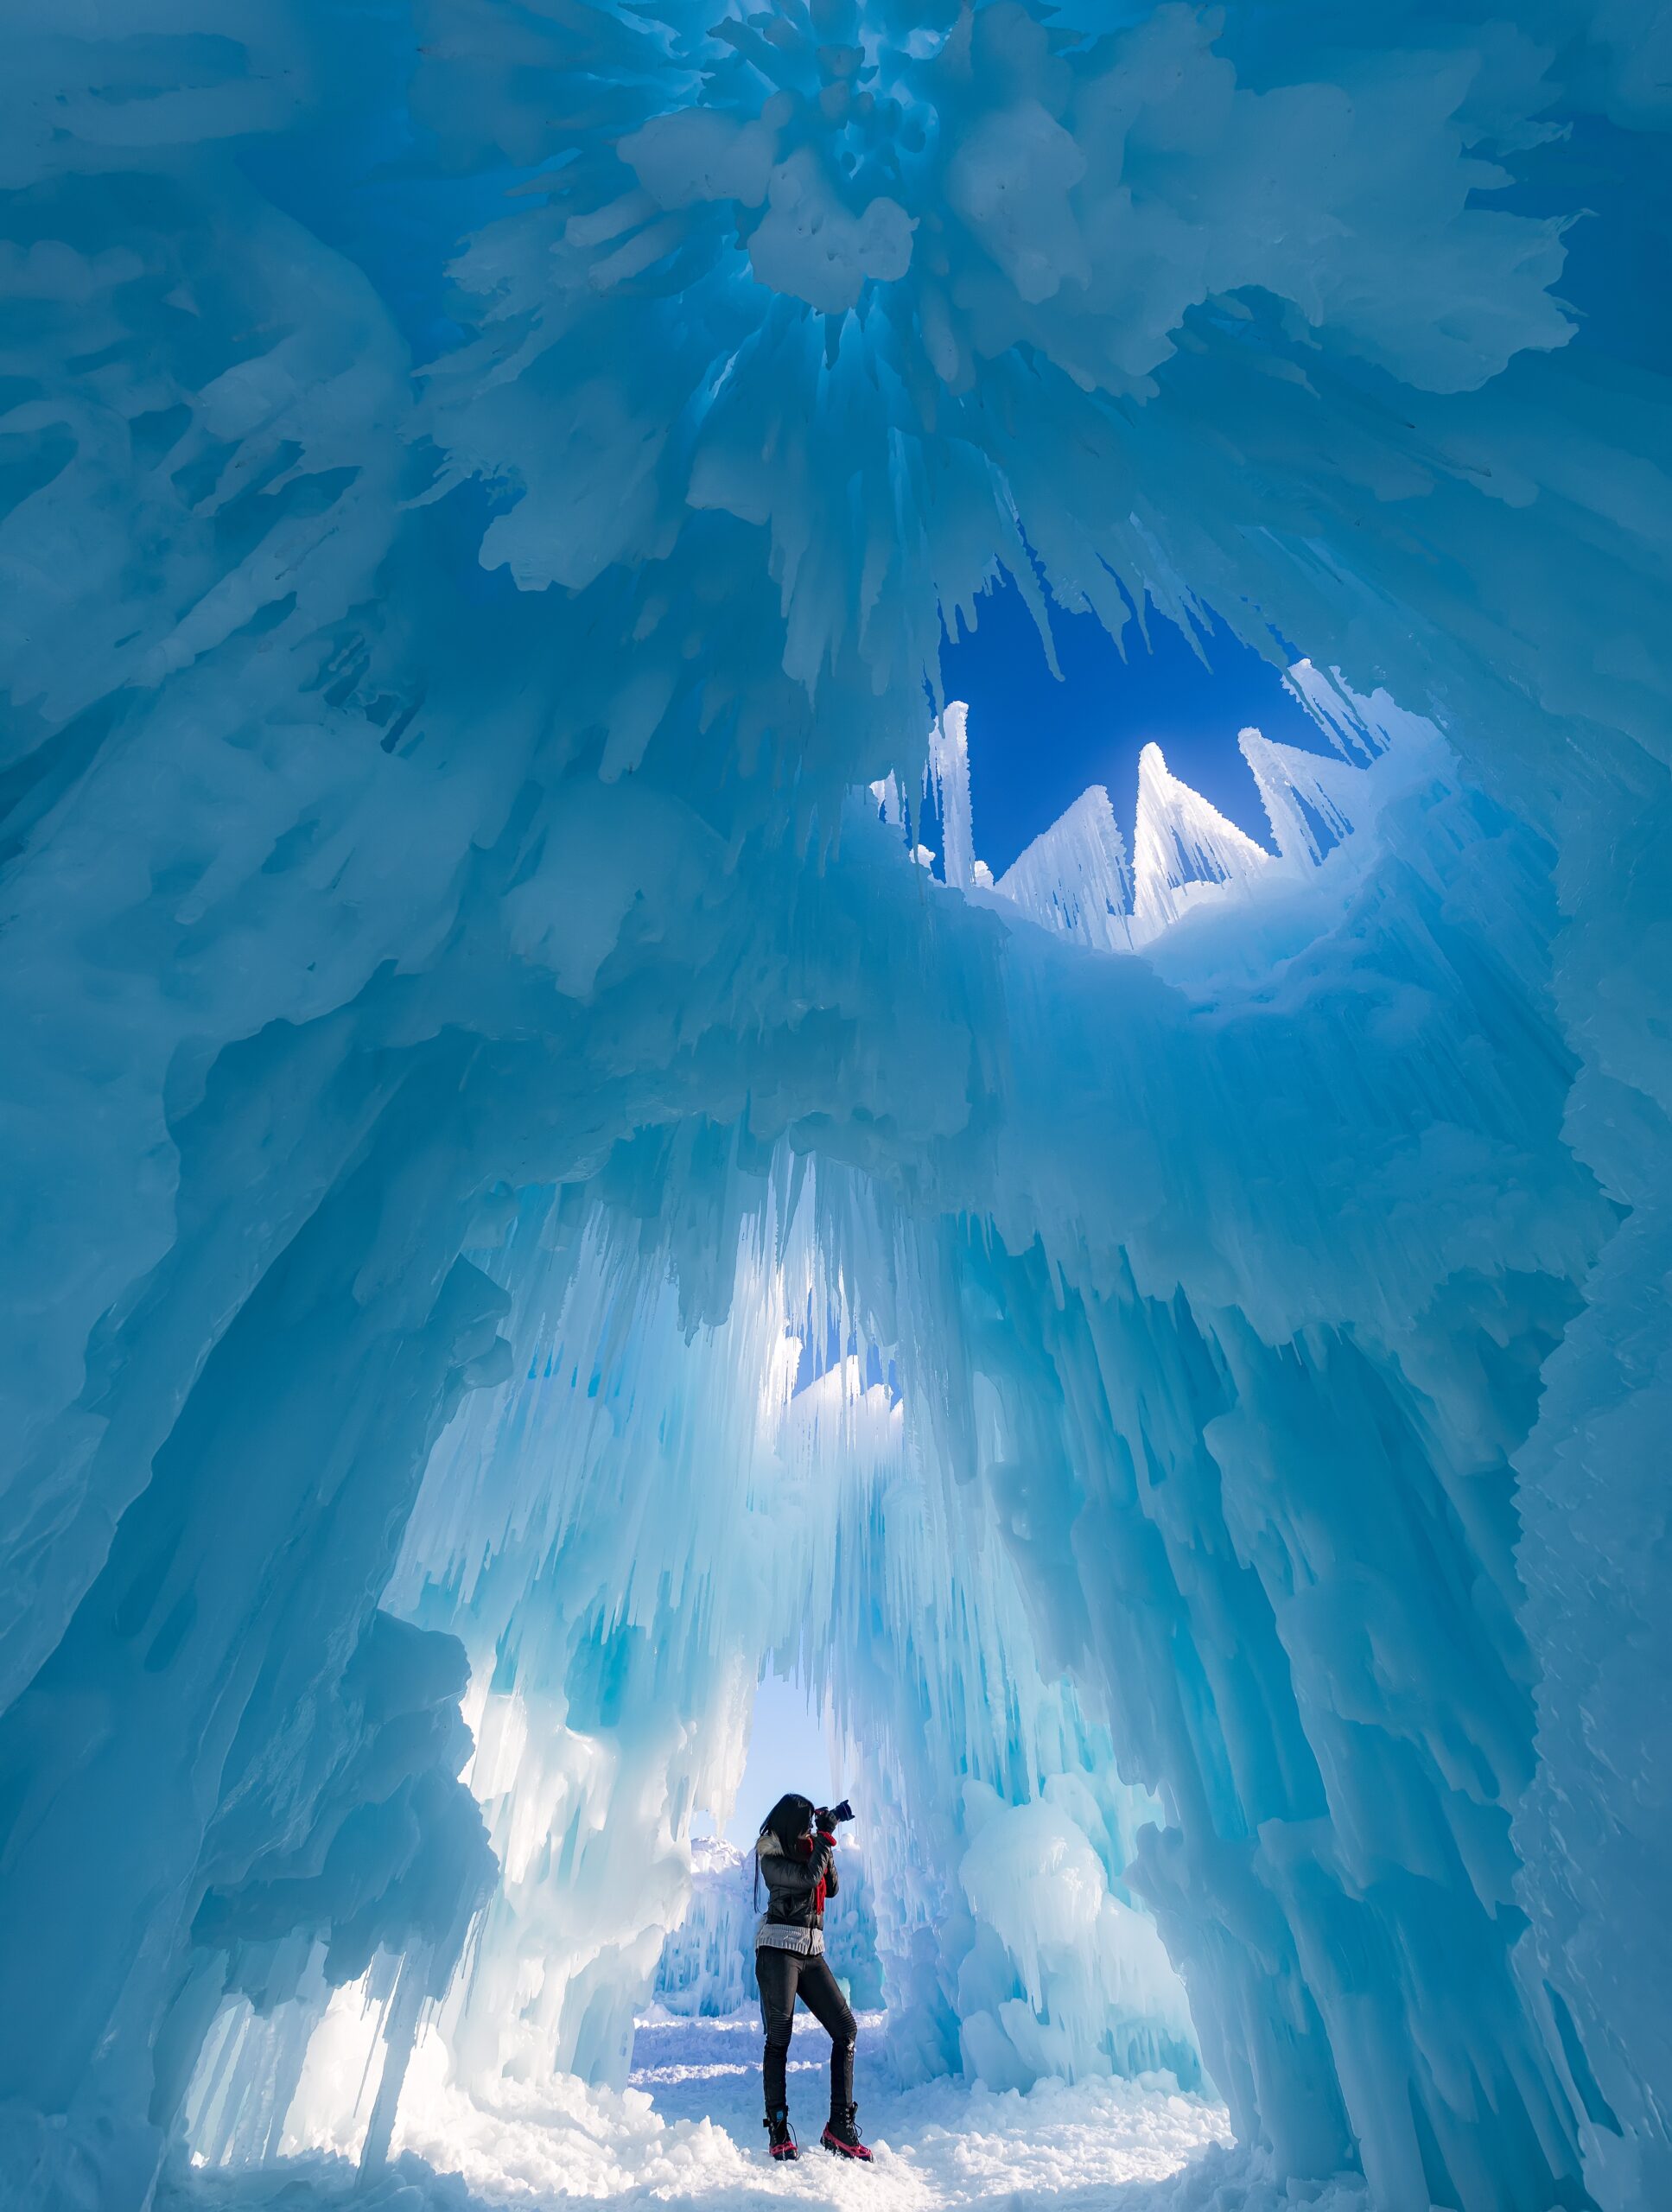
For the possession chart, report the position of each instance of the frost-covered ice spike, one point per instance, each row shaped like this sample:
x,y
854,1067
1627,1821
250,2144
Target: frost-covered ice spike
x,y
1311,801
949,768
1184,851
1074,877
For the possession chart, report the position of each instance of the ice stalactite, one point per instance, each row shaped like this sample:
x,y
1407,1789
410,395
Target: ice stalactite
x,y
710,1508
1125,1519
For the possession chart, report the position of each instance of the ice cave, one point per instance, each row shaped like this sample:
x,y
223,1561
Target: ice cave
x,y
595,1231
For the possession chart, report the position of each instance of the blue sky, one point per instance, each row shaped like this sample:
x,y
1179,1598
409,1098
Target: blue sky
x,y
787,1751
1036,743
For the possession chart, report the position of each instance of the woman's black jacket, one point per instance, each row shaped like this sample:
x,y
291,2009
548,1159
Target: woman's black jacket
x,y
798,1881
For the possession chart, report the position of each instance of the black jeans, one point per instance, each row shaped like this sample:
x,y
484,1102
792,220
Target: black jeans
x,y
784,1976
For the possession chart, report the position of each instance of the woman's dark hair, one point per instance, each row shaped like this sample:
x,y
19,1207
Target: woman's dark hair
x,y
789,1818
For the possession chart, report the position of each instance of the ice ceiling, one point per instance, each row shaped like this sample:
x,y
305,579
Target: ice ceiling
x,y
485,485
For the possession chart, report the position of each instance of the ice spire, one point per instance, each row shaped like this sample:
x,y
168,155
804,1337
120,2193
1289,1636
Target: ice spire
x,y
1182,846
949,764
1311,801
1074,876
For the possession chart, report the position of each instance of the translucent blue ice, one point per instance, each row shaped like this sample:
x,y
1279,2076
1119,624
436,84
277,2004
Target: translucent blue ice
x,y
526,1192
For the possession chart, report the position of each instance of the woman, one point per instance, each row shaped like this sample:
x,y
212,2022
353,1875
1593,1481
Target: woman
x,y
795,1851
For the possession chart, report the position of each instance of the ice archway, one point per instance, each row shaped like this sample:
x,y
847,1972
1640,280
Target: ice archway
x,y
451,937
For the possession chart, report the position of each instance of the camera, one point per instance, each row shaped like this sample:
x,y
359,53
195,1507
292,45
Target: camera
x,y
830,1816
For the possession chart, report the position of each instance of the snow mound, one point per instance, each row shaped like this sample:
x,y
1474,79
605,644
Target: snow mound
x,y
688,2133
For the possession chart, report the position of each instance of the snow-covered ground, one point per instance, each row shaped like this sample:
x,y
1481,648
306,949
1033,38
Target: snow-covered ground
x,y
687,2133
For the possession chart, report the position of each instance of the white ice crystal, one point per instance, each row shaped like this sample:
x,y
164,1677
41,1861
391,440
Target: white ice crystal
x,y
522,1202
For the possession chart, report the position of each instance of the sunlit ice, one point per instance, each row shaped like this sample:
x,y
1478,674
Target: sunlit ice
x,y
835,963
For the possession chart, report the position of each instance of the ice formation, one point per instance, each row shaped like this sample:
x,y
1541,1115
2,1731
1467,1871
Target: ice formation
x,y
707,1968
522,1200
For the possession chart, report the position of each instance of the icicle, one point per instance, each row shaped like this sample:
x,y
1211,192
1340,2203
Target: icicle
x,y
1330,710
402,2016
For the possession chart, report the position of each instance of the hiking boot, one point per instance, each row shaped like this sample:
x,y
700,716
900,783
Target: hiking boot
x,y
780,2136
841,2135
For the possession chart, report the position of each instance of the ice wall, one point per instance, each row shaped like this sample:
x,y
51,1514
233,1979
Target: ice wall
x,y
612,1529
483,487
707,1965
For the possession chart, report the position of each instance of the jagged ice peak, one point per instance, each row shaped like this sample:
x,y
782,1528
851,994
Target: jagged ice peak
x,y
525,1199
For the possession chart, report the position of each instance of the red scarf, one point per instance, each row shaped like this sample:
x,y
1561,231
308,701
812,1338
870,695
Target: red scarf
x,y
806,1848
